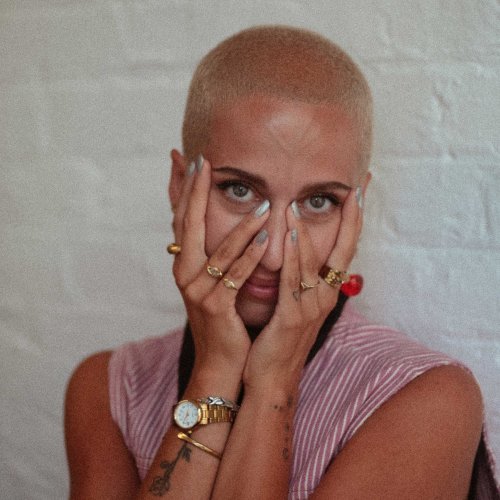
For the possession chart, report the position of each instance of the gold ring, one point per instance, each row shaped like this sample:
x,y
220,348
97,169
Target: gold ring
x,y
214,271
229,284
306,286
333,277
173,249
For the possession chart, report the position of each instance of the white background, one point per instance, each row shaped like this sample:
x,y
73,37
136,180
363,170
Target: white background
x,y
91,101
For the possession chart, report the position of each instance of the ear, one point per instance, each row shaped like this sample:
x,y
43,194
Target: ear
x,y
365,180
177,173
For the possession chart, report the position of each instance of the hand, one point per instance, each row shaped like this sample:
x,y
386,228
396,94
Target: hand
x,y
219,335
279,353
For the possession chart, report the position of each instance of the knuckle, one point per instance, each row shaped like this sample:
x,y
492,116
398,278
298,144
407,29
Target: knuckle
x,y
310,262
210,305
224,252
188,221
237,271
312,313
190,292
293,282
179,281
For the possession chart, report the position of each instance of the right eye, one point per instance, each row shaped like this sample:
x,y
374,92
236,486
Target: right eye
x,y
236,191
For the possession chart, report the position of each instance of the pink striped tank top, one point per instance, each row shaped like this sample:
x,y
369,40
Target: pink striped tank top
x,y
358,368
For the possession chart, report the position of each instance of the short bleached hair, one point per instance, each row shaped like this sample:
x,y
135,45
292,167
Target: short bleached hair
x,y
278,61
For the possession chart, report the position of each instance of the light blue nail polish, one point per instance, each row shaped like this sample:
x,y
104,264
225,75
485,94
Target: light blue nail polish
x,y
262,208
294,236
295,209
359,196
261,237
199,162
190,169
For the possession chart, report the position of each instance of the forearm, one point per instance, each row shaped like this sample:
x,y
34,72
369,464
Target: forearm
x,y
258,454
180,469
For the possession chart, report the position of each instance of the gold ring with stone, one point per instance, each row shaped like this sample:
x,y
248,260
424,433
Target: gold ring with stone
x,y
214,271
305,286
229,284
173,249
333,277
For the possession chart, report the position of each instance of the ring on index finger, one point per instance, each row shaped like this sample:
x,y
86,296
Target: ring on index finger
x,y
333,277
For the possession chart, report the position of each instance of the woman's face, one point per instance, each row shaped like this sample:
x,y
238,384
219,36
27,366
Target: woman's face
x,y
261,148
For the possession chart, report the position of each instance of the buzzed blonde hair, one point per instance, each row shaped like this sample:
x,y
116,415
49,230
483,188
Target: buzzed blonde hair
x,y
282,62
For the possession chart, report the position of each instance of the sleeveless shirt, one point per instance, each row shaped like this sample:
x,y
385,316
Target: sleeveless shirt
x,y
358,368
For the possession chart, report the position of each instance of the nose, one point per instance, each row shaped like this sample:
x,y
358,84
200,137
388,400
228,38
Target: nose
x,y
276,227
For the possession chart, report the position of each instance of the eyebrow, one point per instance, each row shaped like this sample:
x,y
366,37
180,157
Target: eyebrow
x,y
260,181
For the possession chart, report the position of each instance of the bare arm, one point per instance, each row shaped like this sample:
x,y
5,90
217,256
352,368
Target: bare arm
x,y
100,465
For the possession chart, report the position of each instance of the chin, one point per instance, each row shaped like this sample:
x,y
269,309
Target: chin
x,y
255,314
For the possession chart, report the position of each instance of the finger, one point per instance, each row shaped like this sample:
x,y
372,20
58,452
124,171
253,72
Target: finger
x,y
289,293
347,238
241,269
180,209
193,223
345,244
239,238
308,264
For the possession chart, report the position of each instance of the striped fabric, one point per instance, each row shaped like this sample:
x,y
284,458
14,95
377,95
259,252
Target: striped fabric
x,y
359,367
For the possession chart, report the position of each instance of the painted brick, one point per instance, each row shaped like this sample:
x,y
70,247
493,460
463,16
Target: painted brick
x,y
77,40
436,208
113,117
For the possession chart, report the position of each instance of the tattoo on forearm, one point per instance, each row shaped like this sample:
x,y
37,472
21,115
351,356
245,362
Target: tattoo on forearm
x,y
161,484
285,452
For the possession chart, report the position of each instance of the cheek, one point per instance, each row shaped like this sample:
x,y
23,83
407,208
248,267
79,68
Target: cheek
x,y
219,223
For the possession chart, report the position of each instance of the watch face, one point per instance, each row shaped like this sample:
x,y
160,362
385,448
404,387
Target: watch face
x,y
186,414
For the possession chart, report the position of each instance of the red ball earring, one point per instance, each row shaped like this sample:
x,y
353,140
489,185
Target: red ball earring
x,y
353,286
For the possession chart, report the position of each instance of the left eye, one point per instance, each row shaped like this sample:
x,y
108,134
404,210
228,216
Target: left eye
x,y
318,203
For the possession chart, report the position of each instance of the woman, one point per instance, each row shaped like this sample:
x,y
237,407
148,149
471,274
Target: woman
x,y
277,388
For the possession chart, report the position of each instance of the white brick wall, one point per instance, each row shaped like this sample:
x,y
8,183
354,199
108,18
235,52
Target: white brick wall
x,y
91,100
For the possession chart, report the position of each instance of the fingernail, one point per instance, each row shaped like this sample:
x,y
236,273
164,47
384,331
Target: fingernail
x,y
294,236
359,196
261,237
199,162
295,209
190,169
262,208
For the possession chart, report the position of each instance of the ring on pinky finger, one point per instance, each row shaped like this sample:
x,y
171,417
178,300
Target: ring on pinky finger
x,y
333,277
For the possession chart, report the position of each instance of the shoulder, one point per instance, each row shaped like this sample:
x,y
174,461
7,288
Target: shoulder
x,y
87,397
93,440
89,380
140,367
421,443
447,396
379,348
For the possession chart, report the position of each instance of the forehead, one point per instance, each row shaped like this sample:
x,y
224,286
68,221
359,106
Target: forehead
x,y
285,139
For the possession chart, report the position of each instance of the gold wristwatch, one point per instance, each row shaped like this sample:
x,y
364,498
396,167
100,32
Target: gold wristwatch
x,y
189,413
